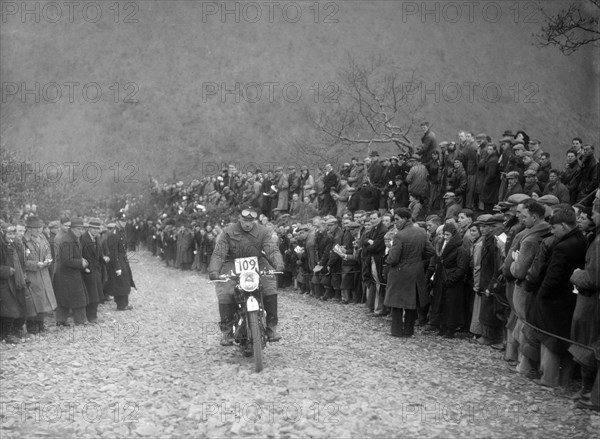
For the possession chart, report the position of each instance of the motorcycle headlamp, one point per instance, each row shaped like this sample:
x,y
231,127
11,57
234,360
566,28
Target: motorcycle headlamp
x,y
249,280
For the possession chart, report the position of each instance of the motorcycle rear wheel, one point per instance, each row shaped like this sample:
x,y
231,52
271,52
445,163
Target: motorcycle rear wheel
x,y
256,338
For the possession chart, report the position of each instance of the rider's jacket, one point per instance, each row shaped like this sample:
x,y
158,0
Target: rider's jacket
x,y
233,242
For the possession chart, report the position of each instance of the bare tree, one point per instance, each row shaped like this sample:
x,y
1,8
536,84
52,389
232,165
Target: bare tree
x,y
571,28
375,106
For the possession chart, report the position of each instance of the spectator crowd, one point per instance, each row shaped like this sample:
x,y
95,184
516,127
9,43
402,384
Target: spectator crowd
x,y
473,239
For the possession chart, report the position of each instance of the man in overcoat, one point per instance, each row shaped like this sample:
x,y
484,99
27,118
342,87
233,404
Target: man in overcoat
x,y
68,284
12,288
92,277
406,278
554,303
120,277
38,259
585,328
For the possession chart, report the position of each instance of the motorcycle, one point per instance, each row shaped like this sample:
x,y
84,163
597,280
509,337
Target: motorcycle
x,y
249,328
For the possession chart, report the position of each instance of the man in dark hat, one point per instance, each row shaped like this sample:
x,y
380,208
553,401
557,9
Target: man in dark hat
x,y
242,239
68,284
92,277
120,277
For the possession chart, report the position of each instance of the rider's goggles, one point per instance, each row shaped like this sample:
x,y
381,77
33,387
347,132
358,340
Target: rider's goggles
x,y
249,214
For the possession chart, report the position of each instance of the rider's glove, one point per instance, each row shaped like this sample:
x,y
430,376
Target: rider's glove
x,y
213,275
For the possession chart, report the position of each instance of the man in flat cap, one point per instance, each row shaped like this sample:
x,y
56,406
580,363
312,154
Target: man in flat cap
x,y
519,258
531,186
489,287
513,185
535,146
452,207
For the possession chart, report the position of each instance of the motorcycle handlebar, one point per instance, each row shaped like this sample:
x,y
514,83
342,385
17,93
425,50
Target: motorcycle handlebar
x,y
228,277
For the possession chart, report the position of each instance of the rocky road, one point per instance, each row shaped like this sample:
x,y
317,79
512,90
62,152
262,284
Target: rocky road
x,y
159,371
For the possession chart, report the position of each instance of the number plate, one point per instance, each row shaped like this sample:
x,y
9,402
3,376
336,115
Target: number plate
x,y
252,304
245,264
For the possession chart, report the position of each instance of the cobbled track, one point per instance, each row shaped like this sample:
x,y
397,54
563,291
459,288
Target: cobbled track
x,y
158,371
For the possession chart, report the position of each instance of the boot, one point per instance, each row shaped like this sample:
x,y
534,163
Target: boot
x,y
270,305
226,312
32,326
397,325
410,316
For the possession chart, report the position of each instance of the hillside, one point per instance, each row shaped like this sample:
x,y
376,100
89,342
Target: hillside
x,y
175,60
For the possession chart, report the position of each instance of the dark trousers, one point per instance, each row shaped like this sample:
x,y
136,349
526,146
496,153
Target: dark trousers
x,y
403,322
122,301
91,311
62,314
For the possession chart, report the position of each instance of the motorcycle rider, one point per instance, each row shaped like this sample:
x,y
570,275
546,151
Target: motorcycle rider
x,y
245,238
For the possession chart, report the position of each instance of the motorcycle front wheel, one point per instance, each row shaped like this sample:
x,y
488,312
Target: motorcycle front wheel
x,y
256,338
